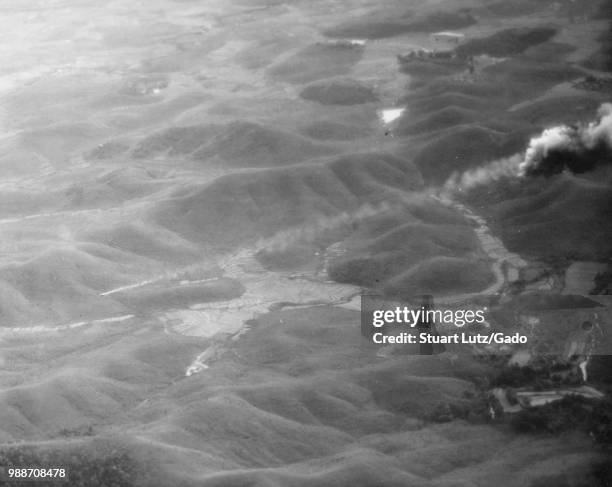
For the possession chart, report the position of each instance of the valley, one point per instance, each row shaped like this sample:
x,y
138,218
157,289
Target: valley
x,y
194,196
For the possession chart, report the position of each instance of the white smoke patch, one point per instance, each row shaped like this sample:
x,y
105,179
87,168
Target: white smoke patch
x,y
507,167
555,138
309,233
571,146
600,131
577,148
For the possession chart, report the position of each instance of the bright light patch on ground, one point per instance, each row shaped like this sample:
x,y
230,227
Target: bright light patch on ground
x,y
391,114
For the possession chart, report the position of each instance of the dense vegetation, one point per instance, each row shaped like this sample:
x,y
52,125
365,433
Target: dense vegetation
x,y
109,469
573,412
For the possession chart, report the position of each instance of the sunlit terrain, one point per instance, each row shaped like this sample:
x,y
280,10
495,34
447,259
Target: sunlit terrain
x,y
194,194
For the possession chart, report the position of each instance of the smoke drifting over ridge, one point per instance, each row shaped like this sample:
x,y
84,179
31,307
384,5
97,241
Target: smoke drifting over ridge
x,y
493,171
309,233
577,148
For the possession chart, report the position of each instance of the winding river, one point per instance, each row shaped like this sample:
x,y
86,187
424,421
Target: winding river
x,y
266,290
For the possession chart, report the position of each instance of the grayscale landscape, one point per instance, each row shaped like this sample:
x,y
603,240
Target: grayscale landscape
x,y
194,195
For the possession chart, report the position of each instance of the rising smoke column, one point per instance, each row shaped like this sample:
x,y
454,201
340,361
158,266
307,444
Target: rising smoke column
x,y
577,148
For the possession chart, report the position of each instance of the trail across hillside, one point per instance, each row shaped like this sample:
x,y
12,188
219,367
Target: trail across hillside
x,y
68,326
267,290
